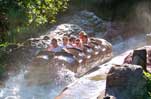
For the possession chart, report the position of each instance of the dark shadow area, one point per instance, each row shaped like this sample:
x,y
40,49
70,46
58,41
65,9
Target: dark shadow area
x,y
139,58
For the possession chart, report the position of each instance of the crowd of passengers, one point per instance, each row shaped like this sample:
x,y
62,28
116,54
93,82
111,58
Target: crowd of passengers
x,y
69,42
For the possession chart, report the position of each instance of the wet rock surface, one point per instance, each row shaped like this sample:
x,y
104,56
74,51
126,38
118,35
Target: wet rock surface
x,y
87,87
88,21
122,81
125,82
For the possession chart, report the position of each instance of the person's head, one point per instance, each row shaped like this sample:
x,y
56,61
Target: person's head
x,y
72,39
85,39
54,42
77,41
65,40
81,34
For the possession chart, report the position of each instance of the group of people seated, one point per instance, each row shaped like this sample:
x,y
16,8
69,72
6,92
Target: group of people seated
x,y
69,42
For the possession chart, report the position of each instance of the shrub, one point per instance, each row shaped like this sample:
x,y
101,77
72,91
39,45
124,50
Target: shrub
x,y
3,58
148,85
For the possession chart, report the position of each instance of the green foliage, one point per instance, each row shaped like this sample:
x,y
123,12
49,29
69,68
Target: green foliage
x,y
148,85
43,11
18,15
3,57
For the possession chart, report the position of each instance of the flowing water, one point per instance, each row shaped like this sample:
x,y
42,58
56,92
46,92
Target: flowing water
x,y
16,87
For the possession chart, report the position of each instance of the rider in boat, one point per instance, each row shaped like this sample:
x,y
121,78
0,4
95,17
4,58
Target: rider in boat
x,y
84,39
72,41
78,44
65,42
54,47
81,34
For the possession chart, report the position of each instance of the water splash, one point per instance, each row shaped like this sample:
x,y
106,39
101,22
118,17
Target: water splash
x,y
16,87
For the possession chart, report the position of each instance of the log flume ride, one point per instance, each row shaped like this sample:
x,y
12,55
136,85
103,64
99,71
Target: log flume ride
x,y
46,63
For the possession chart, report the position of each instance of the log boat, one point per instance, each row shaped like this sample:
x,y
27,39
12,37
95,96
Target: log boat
x,y
46,63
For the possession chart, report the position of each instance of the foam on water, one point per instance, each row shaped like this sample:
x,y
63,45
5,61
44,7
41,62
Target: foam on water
x,y
16,87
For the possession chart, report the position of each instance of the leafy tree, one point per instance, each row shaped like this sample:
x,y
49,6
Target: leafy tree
x,y
43,11
148,85
18,15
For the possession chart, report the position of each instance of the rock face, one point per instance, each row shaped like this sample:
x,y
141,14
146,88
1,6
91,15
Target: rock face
x,y
140,56
122,82
88,21
125,82
114,31
81,21
87,87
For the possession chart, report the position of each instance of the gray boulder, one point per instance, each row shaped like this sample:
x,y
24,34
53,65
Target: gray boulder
x,y
125,82
87,21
